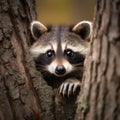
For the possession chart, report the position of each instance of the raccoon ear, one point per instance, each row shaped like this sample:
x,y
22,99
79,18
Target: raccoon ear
x,y
84,29
37,29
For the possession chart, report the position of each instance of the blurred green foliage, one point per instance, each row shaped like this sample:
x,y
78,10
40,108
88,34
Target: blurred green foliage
x,y
64,11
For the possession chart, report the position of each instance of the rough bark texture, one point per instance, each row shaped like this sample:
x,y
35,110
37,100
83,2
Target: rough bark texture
x,y
100,95
18,99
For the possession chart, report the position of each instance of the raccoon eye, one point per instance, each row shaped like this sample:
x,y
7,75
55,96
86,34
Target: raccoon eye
x,y
50,53
68,53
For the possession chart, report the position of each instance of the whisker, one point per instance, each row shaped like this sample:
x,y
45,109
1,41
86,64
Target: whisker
x,y
40,65
75,69
78,67
42,69
79,64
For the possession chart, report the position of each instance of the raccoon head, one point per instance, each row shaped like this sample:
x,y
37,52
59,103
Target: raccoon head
x,y
60,50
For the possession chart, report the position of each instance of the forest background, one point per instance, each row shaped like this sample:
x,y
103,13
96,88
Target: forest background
x,y
64,11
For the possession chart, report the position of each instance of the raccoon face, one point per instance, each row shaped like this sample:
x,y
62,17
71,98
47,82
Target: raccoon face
x,y
60,50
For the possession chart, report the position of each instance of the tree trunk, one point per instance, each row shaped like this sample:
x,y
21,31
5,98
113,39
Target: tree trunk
x,y
100,95
18,99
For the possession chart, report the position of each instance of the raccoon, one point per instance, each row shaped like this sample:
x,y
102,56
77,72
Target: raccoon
x,y
59,53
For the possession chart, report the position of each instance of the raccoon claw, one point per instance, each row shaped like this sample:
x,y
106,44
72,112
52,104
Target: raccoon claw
x,y
69,87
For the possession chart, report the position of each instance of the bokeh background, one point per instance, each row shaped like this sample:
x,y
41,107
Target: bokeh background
x,y
64,11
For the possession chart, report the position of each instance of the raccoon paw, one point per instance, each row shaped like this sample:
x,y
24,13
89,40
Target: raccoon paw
x,y
69,87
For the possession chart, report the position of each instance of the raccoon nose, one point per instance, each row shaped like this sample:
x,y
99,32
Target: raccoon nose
x,y
60,70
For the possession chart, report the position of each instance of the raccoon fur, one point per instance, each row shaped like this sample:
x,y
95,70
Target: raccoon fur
x,y
59,53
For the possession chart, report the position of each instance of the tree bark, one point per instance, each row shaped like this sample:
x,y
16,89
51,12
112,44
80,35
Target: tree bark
x,y
100,95
18,99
